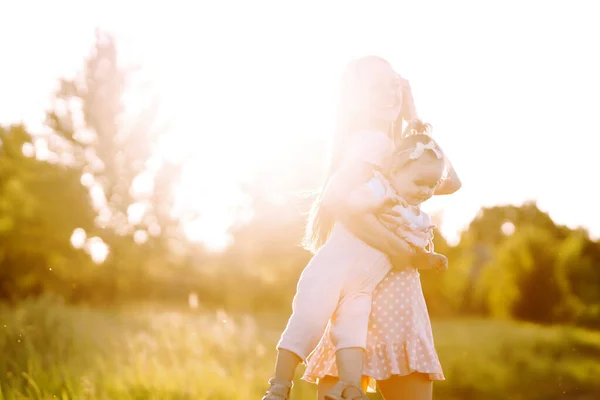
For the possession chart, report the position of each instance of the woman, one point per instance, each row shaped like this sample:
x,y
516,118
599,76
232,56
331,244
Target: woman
x,y
400,353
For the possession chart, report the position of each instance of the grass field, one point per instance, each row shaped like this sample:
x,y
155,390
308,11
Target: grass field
x,y
51,351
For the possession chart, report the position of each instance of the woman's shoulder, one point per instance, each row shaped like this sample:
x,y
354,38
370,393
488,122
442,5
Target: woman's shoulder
x,y
371,146
373,138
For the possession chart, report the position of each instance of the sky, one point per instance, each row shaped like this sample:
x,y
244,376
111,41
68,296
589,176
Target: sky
x,y
512,88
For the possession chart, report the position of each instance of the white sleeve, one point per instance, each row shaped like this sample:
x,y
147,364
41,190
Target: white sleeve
x,y
377,187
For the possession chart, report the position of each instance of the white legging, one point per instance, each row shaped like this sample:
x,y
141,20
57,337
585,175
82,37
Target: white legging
x,y
336,285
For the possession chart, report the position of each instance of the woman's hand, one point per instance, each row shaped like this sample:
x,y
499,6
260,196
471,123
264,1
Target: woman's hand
x,y
394,217
400,249
451,183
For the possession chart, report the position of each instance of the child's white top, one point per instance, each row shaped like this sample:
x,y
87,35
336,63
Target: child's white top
x,y
414,225
377,148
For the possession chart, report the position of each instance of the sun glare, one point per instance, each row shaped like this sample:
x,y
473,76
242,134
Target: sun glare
x,y
227,146
240,104
94,246
206,202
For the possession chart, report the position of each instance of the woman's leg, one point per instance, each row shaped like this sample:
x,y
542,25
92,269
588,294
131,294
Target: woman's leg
x,y
415,386
325,386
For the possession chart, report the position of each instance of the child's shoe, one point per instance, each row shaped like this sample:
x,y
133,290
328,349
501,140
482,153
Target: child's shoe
x,y
279,390
346,391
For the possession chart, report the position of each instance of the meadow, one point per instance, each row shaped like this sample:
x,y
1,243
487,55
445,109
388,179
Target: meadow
x,y
53,351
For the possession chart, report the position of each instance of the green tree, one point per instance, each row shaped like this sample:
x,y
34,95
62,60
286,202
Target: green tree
x,y
522,281
114,146
577,261
41,204
444,291
110,143
486,234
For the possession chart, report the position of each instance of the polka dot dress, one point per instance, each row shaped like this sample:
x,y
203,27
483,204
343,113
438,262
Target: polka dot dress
x,y
399,341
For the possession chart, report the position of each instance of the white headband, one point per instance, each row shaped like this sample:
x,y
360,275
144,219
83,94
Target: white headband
x,y
420,149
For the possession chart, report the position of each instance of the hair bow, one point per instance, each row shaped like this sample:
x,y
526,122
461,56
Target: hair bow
x,y
420,149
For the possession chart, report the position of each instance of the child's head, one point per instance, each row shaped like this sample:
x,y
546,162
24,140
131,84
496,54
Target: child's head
x,y
417,167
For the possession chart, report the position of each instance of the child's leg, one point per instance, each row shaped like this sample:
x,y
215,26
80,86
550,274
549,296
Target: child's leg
x,y
313,306
349,335
350,324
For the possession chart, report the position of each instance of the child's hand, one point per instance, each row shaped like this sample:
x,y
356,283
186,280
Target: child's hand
x,y
440,263
424,260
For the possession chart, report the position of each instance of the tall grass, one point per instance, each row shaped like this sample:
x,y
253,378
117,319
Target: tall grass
x,y
52,351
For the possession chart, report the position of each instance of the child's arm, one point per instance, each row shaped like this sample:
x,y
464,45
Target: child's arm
x,y
367,153
373,196
369,229
345,188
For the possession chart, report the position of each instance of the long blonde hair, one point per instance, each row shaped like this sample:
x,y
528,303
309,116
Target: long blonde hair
x,y
320,221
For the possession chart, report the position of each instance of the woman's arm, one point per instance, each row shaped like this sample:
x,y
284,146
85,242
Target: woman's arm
x,y
408,113
371,231
450,184
345,188
342,199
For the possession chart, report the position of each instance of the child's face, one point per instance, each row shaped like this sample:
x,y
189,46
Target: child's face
x,y
416,181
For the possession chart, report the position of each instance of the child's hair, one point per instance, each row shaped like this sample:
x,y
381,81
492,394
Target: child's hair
x,y
415,127
416,132
321,222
